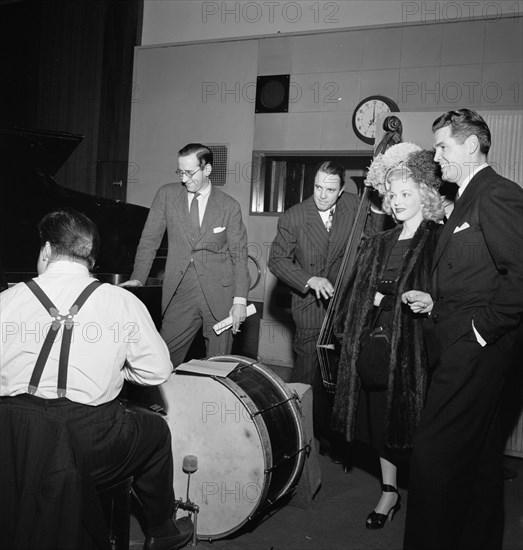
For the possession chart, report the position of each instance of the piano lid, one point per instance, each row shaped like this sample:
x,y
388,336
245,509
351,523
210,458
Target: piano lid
x,y
43,150
28,191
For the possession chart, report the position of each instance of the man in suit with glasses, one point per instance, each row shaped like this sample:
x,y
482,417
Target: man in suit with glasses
x,y
206,275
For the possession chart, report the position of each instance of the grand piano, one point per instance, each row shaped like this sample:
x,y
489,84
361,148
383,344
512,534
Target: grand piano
x,y
30,159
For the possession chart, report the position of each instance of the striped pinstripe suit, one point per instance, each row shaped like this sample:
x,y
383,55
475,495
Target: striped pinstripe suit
x,y
302,249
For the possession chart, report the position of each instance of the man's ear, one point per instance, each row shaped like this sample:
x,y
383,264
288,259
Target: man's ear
x,y
341,190
472,144
46,251
207,169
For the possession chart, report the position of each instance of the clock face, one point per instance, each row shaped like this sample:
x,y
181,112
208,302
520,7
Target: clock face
x,y
365,114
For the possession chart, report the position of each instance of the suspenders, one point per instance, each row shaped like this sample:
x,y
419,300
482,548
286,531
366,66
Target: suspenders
x,y
53,311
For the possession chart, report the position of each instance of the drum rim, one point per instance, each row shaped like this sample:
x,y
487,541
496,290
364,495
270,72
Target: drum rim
x,y
300,462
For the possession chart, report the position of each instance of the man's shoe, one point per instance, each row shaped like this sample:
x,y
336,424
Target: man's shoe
x,y
175,537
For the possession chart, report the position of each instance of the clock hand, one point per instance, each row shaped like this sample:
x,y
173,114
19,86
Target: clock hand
x,y
373,116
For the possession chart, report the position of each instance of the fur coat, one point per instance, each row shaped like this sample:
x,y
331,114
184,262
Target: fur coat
x,y
408,368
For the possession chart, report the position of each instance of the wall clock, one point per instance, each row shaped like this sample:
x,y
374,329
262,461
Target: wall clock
x,y
364,116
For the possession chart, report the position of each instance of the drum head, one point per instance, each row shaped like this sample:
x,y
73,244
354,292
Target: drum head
x,y
245,429
207,420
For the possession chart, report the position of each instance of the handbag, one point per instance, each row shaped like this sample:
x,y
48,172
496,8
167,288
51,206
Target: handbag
x,y
374,358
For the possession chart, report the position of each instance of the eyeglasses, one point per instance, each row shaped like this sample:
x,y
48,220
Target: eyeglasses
x,y
190,175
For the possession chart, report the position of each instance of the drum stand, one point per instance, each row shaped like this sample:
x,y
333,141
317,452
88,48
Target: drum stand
x,y
193,509
190,465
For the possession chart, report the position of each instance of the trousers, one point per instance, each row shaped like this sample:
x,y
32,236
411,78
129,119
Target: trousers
x,y
187,312
456,488
118,442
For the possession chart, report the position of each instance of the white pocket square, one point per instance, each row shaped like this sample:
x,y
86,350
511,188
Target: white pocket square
x,y
461,227
218,229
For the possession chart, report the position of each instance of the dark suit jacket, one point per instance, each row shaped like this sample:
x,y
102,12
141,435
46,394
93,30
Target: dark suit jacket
x,y
219,254
48,498
303,248
478,264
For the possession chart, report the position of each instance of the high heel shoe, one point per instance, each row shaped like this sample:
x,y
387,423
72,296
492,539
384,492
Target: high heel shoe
x,y
375,520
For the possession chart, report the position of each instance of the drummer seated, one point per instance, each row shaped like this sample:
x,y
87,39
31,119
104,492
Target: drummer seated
x,y
49,371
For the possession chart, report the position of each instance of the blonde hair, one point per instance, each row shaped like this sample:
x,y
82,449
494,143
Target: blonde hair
x,y
431,200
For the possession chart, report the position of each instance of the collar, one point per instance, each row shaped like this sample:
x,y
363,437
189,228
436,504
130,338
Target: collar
x,y
203,194
325,213
466,181
65,266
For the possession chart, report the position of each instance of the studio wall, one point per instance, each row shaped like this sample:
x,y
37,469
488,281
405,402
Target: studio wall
x,y
182,21
205,92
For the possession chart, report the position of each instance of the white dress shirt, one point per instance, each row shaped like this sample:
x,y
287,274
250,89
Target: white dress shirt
x,y
202,199
466,181
114,338
326,213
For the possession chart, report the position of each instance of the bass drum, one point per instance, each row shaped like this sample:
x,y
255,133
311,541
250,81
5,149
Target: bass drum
x,y
247,434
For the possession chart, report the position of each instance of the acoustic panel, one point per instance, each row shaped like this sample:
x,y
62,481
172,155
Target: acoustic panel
x,y
219,167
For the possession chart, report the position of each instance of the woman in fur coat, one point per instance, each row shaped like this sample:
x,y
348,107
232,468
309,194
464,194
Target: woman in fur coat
x,y
384,410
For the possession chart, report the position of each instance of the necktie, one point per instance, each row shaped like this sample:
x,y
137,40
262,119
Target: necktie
x,y
328,221
194,217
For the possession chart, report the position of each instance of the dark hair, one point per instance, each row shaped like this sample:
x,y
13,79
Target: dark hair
x,y
464,123
203,153
333,168
70,234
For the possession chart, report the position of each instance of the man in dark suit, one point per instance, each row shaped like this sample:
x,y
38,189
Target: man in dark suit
x,y
306,254
456,487
206,276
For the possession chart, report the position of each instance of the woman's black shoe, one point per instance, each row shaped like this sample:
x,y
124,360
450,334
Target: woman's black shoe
x,y
376,520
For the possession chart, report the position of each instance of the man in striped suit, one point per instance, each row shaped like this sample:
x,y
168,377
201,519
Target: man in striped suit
x,y
306,254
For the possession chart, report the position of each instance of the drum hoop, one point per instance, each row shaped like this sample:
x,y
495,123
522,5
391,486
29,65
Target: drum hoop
x,y
299,428
293,407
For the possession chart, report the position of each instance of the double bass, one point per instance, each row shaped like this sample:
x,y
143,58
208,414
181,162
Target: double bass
x,y
326,347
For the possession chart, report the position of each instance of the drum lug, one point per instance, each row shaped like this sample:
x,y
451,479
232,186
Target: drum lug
x,y
306,449
296,397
